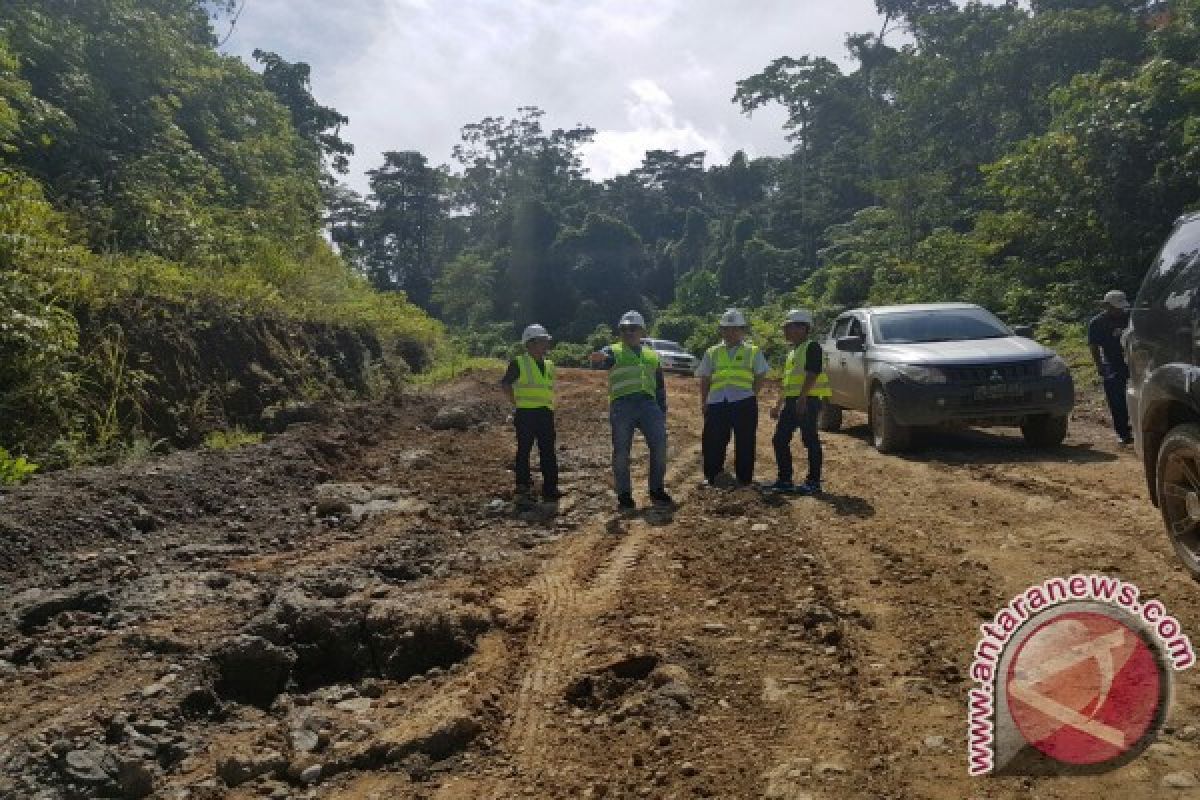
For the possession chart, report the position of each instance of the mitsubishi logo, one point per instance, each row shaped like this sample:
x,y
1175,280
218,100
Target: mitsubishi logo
x,y
996,377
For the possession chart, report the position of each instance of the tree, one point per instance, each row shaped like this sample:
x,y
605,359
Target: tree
x,y
319,125
402,235
149,137
604,257
463,291
516,158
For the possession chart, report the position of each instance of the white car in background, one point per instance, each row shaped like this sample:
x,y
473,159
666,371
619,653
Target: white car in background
x,y
672,356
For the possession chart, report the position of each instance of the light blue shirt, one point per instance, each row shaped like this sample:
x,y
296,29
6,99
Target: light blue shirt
x,y
730,394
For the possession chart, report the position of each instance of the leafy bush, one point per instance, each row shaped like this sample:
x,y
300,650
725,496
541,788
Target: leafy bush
x,y
231,439
14,470
570,354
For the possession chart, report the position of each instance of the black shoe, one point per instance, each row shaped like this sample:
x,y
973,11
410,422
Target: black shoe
x,y
661,498
1125,440
550,495
625,502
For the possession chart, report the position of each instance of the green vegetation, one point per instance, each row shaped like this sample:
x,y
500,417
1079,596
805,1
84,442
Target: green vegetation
x,y
143,173
232,439
1023,156
15,470
456,366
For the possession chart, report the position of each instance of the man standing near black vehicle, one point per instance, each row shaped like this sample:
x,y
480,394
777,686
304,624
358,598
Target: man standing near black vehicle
x,y
1104,340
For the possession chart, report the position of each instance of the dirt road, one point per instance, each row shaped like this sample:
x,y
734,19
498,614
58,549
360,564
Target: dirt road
x,y
194,627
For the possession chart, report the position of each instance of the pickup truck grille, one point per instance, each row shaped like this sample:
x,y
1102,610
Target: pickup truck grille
x,y
994,373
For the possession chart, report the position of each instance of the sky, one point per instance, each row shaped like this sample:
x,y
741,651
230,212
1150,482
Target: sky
x,y
646,74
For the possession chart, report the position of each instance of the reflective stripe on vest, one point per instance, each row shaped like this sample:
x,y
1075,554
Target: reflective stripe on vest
x,y
732,371
793,378
534,389
632,373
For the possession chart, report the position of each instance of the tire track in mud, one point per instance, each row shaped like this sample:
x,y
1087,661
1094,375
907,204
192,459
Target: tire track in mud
x,y
565,607
567,601
576,587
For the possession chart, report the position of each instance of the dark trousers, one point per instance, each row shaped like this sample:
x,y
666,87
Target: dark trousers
x,y
535,425
789,421
720,420
1115,383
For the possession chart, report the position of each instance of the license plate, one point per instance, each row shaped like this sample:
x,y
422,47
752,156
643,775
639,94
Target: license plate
x,y
999,390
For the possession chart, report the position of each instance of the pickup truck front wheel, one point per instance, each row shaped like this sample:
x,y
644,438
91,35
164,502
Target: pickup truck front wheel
x,y
830,418
887,435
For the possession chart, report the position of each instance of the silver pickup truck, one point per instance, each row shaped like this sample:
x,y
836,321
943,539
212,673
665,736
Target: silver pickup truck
x,y
914,366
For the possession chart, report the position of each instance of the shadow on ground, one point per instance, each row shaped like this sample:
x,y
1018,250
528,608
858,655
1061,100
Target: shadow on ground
x,y
973,446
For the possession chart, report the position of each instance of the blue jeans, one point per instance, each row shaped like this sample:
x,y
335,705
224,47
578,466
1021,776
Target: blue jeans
x,y
638,412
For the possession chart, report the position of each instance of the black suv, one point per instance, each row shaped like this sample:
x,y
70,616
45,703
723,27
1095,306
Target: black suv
x,y
1162,347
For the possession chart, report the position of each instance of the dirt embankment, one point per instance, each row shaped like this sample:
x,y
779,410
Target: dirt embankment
x,y
354,610
177,372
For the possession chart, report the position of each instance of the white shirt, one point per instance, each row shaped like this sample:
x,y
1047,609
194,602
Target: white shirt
x,y
730,394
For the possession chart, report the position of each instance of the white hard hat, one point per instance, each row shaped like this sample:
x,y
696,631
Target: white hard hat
x,y
1116,298
631,318
799,316
534,332
733,319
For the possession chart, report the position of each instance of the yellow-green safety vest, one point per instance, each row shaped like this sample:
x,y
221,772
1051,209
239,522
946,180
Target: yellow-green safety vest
x,y
632,373
793,377
732,371
534,388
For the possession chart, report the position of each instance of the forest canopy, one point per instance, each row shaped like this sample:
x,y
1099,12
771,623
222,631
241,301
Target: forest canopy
x,y
1024,157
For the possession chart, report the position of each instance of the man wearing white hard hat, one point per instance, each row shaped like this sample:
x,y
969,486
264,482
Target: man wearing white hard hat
x,y
529,385
804,387
1104,340
637,397
731,373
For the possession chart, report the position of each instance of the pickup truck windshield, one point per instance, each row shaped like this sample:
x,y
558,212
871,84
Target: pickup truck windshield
x,y
667,347
950,325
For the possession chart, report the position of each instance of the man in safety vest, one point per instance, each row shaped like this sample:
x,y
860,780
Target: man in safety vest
x,y
529,385
731,374
637,395
805,386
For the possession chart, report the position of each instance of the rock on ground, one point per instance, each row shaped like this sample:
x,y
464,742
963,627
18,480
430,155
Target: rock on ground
x,y
240,767
251,669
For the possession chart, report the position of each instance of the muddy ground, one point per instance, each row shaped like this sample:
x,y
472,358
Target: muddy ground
x,y
214,625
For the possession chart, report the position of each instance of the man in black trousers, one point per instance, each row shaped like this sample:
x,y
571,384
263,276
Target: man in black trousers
x,y
1104,340
529,385
731,373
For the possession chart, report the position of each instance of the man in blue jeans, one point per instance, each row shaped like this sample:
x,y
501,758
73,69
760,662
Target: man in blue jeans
x,y
1104,340
637,395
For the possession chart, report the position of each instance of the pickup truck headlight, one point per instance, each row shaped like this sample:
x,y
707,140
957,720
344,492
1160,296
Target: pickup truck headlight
x,y
1055,367
920,374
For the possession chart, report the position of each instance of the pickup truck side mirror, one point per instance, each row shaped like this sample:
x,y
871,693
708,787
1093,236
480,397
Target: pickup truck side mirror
x,y
850,344
1023,330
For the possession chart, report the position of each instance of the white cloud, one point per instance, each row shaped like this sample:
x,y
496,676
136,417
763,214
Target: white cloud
x,y
644,73
653,126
